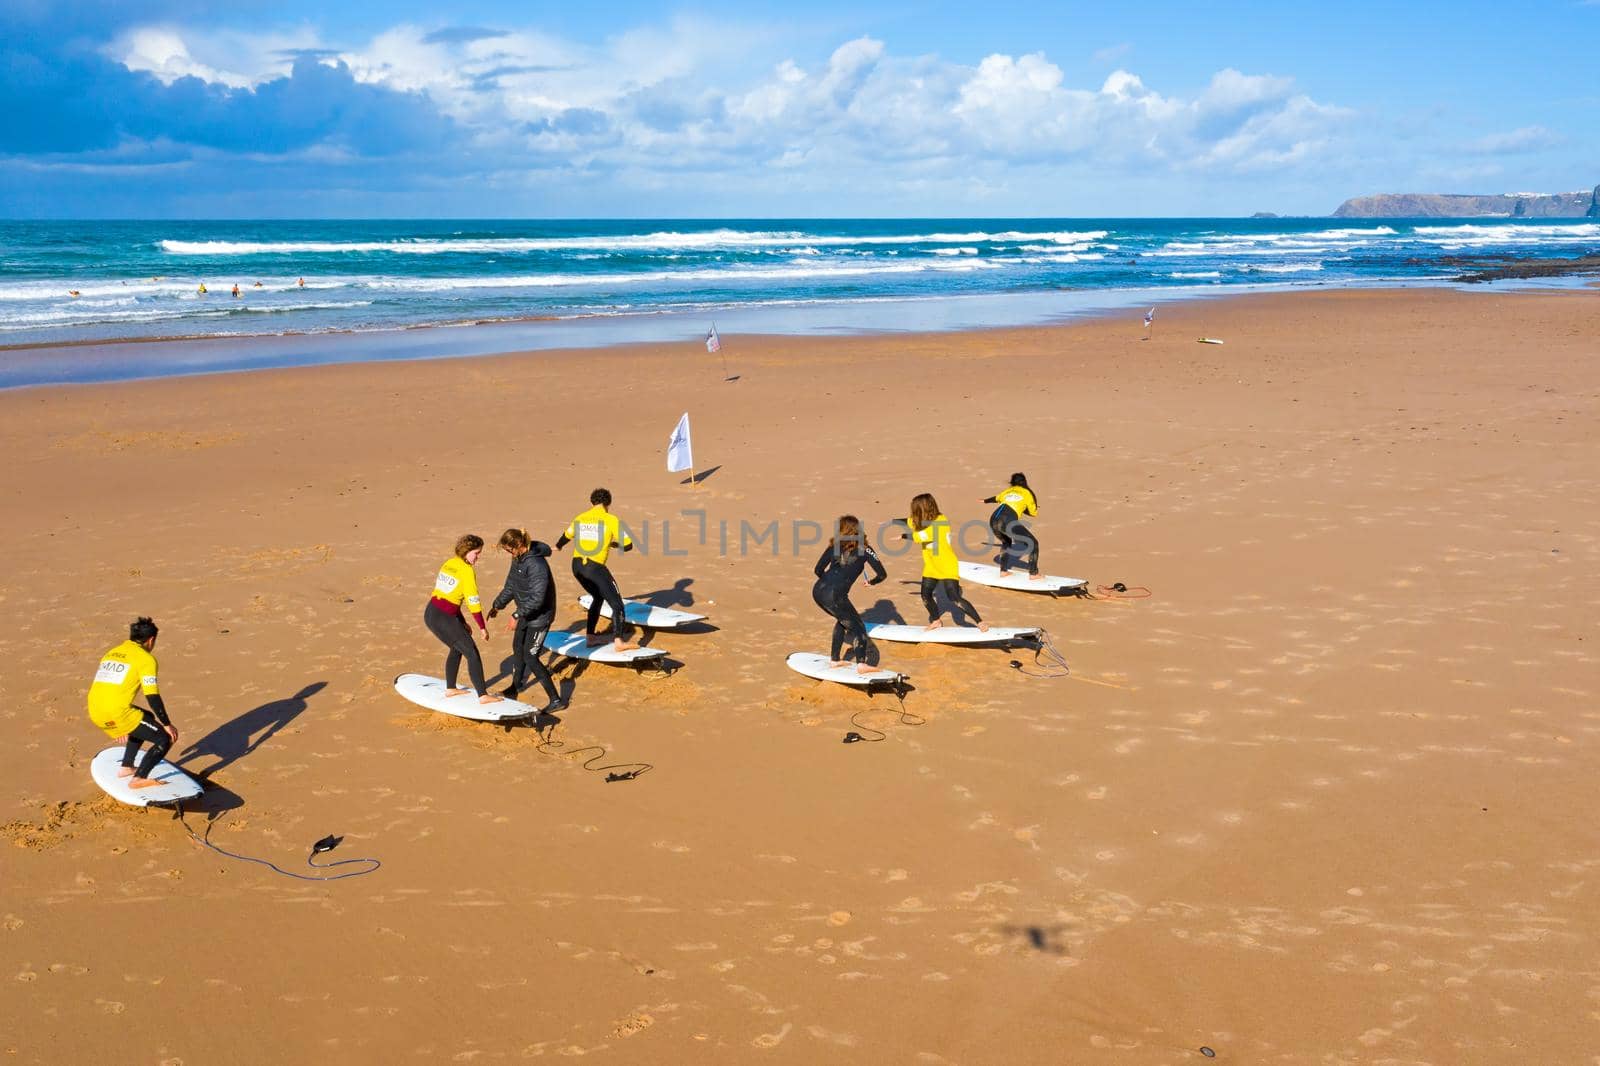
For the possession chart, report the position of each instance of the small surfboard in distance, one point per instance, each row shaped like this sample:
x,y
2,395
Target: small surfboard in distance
x,y
817,666
175,784
576,646
643,614
991,575
1211,340
949,634
428,692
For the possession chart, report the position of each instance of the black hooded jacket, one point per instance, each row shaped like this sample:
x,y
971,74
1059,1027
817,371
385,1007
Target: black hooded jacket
x,y
530,584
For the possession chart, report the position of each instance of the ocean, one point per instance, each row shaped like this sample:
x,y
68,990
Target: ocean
x,y
296,278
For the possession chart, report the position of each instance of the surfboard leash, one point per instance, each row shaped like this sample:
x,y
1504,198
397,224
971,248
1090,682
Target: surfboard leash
x,y
1048,661
907,717
549,745
325,844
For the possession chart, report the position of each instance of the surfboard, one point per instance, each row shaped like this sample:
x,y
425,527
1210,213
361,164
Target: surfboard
x,y
175,784
948,634
643,614
1210,340
428,692
814,665
991,575
576,646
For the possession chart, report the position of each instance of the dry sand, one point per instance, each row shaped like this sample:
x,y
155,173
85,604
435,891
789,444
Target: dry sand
x,y
1325,797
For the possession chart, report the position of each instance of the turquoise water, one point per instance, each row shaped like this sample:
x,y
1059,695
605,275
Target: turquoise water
x,y
142,279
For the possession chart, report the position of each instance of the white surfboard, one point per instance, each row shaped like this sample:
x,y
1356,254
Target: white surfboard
x,y
814,665
949,634
576,646
991,575
428,692
643,614
175,784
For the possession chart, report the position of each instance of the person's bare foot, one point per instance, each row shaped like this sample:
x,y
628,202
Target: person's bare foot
x,y
863,668
490,697
834,664
142,782
622,645
1035,577
125,771
937,623
456,692
983,627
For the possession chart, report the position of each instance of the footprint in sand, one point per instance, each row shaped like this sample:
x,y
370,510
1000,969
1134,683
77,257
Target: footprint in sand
x,y
770,1040
839,918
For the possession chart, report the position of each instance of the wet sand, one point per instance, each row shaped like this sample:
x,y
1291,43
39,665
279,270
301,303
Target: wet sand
x,y
1324,797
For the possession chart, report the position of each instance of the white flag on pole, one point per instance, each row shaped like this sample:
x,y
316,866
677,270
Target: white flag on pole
x,y
680,453
1150,318
713,342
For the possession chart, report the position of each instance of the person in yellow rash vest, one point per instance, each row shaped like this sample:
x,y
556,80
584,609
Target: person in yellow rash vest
x,y
941,569
124,671
593,534
1015,501
456,590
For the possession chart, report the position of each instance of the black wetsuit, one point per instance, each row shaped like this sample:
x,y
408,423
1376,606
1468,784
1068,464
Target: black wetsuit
x,y
452,631
1015,538
530,583
149,731
836,574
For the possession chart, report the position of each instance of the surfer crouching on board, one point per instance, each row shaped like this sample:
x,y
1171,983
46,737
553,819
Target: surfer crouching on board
x,y
841,564
941,570
531,585
124,671
455,587
1015,501
593,534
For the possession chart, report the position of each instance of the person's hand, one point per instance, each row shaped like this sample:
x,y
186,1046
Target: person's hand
x,y
172,731
485,632
493,611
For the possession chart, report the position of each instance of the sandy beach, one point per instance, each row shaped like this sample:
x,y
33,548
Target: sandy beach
x,y
1323,797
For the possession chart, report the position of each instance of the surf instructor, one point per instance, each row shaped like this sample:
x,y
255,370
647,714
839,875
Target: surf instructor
x,y
593,534
455,590
529,583
124,671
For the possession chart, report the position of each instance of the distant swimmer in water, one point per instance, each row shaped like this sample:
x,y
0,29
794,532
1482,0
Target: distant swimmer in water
x,y
236,290
1016,539
302,283
941,569
455,589
74,293
257,285
124,671
202,290
838,569
593,534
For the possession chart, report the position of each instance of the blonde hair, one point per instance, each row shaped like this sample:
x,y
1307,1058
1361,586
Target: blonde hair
x,y
924,509
847,537
515,540
467,542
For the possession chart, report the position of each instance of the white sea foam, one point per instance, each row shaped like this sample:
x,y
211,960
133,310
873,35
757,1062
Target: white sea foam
x,y
1283,268
1195,274
718,238
798,270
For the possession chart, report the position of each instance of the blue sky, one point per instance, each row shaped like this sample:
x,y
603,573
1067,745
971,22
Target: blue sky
x,y
411,109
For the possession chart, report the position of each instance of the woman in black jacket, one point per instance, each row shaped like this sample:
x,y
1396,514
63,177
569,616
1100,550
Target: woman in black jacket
x,y
529,583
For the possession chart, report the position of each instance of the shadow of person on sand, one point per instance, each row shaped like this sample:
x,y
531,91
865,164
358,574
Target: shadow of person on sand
x,y
233,740
884,612
678,596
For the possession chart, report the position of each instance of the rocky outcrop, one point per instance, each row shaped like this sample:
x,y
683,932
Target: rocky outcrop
x,y
1448,205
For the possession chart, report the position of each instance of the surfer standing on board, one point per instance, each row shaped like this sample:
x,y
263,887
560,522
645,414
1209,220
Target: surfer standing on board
x,y
941,570
124,671
530,583
1015,500
837,570
593,534
457,587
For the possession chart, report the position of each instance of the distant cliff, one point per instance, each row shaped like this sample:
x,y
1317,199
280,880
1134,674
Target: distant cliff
x,y
1447,205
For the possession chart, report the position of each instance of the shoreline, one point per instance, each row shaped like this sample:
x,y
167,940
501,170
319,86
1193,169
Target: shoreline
x,y
29,366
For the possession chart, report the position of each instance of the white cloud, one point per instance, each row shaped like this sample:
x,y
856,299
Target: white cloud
x,y
667,98
1525,139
